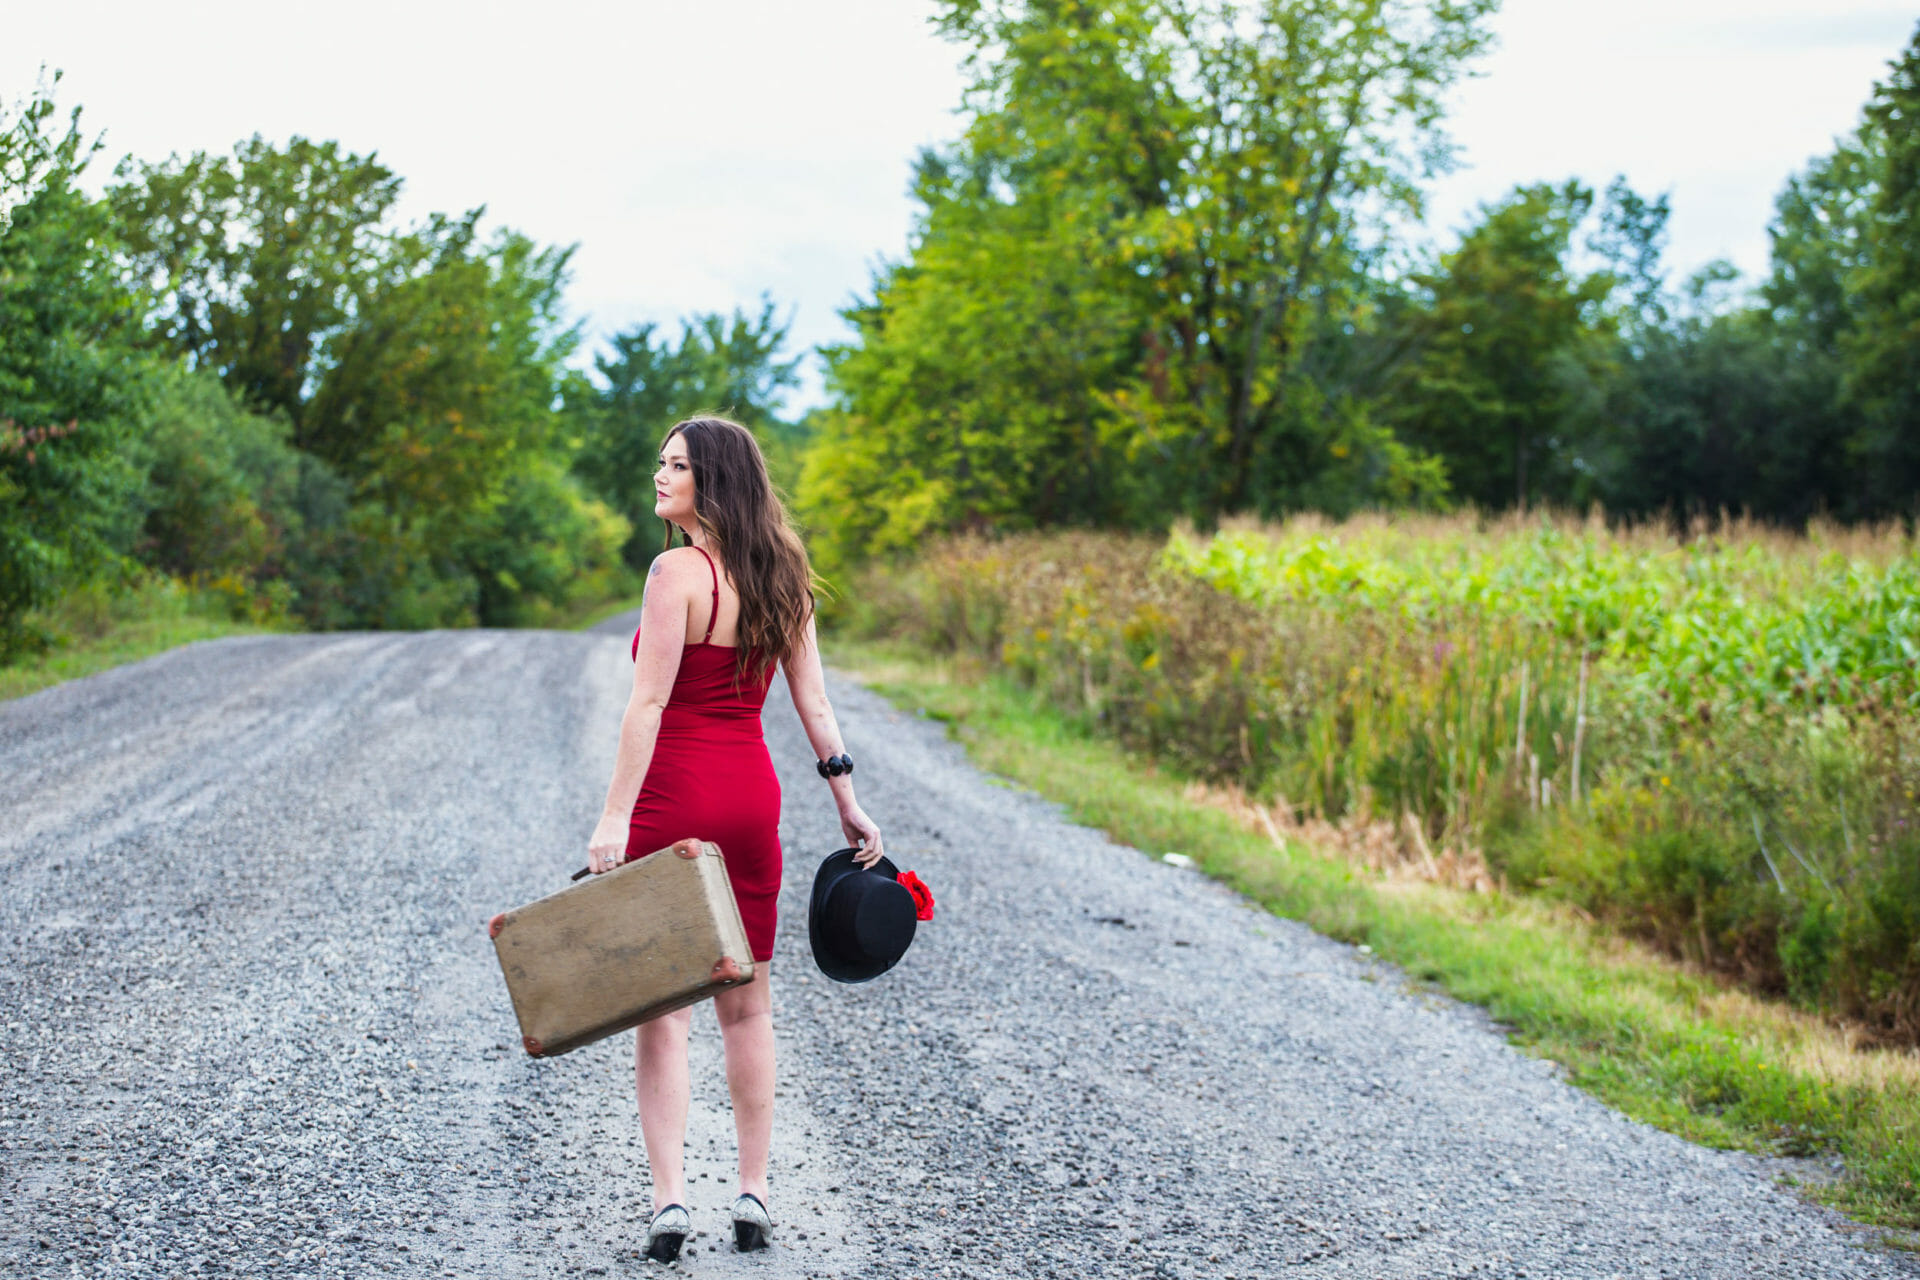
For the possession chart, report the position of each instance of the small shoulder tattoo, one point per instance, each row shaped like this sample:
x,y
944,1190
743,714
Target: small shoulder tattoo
x,y
654,571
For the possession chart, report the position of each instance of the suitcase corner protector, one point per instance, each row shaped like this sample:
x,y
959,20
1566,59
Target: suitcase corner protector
x,y
726,969
495,925
533,1046
688,848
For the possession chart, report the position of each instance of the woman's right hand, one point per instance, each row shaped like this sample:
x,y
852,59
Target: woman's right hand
x,y
607,847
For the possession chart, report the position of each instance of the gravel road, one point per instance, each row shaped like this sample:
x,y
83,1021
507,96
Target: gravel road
x,y
252,1024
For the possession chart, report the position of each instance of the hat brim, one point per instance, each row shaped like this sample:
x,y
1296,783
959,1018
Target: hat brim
x,y
830,961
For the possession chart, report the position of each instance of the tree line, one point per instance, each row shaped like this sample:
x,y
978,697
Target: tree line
x,y
1167,273
242,371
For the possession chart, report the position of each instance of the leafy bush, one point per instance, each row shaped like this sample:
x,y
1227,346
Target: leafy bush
x,y
545,546
217,481
69,376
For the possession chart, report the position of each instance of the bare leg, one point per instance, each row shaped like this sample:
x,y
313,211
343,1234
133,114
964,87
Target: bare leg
x,y
660,1081
746,1029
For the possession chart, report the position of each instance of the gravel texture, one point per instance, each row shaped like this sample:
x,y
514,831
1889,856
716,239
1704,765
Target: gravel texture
x,y
250,1023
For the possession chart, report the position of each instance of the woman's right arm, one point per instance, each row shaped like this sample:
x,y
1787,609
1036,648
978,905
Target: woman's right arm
x,y
663,631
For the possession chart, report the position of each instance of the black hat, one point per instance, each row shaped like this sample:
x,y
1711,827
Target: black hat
x,y
860,921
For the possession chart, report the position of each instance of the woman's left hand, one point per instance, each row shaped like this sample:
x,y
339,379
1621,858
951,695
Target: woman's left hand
x,y
861,834
607,848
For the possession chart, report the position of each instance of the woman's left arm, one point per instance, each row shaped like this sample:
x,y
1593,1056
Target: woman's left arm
x,y
808,685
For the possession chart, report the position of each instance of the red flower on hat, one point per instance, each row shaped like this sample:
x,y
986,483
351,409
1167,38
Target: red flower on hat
x,y
922,896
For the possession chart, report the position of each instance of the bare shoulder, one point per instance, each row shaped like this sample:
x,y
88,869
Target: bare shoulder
x,y
676,567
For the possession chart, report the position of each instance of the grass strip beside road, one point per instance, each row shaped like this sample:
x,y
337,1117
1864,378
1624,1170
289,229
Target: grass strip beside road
x,y
94,632
1663,1044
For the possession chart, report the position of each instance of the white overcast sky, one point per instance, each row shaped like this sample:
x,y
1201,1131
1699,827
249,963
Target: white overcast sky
x,y
701,154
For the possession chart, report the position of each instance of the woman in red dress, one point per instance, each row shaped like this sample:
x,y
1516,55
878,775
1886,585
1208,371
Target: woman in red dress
x,y
721,612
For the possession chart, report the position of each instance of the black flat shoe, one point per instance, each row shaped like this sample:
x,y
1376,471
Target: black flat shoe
x,y
667,1232
752,1228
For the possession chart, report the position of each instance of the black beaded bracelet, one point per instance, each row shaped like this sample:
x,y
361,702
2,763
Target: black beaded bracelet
x,y
834,766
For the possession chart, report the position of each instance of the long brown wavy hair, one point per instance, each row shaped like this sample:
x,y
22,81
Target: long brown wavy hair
x,y
746,523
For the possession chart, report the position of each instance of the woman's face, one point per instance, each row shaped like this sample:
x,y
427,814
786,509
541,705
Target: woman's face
x,y
673,483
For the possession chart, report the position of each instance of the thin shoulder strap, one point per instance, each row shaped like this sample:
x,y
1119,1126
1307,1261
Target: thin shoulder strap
x,y
714,613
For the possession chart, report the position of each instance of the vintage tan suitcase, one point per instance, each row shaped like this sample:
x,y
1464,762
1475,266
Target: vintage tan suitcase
x,y
653,935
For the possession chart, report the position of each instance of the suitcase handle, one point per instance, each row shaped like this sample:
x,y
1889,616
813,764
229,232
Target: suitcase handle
x,y
685,848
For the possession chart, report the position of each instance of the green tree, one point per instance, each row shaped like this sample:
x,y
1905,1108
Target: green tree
x,y
255,260
1819,238
1506,340
1124,270
1630,243
219,482
447,374
1840,423
974,394
1882,348
419,368
1834,443
433,403
719,364
543,543
71,378
1714,411
1624,390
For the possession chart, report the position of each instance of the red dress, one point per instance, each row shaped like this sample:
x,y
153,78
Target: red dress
x,y
711,778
